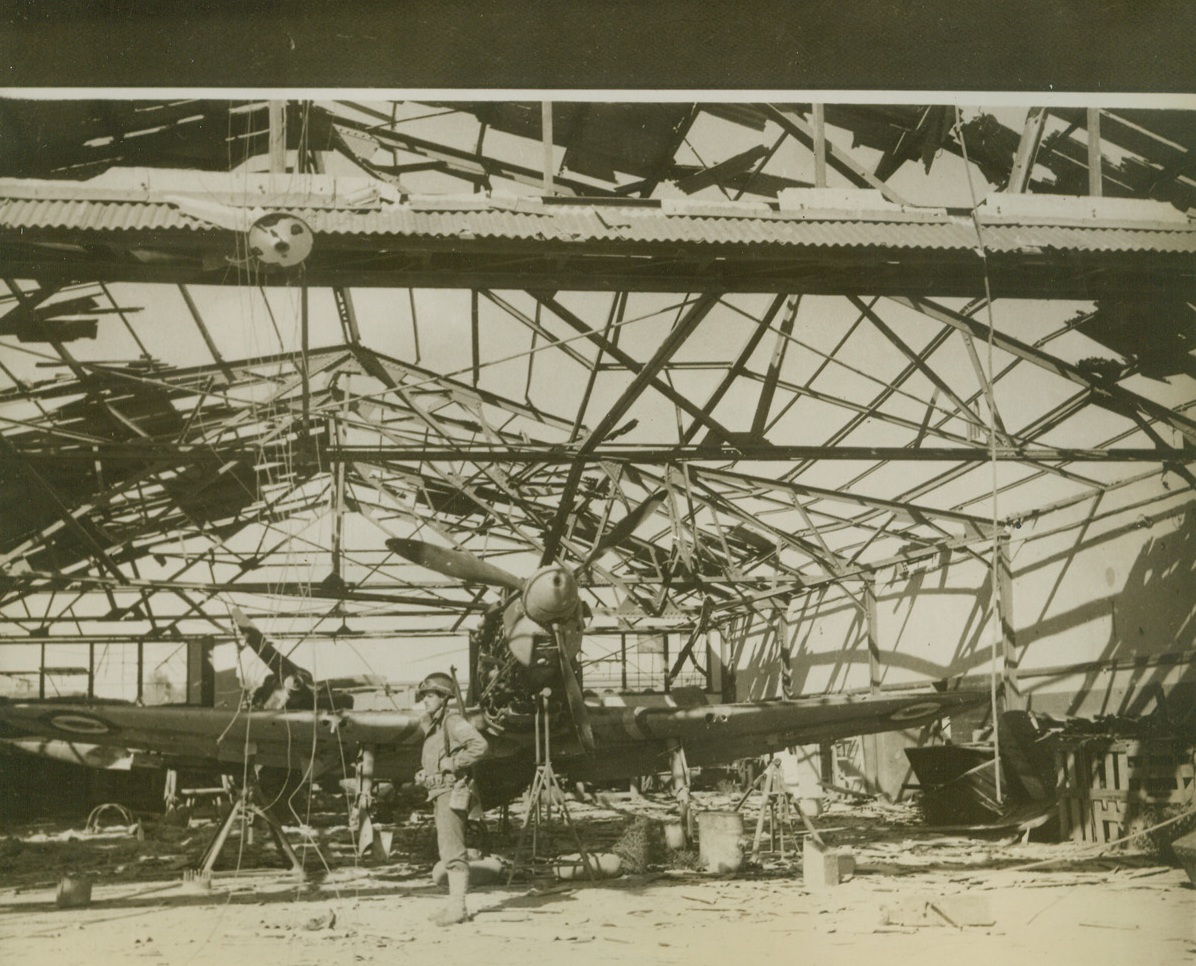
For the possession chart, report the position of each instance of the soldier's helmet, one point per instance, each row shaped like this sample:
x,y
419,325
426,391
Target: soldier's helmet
x,y
436,683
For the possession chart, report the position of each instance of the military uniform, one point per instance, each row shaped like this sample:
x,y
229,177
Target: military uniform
x,y
451,746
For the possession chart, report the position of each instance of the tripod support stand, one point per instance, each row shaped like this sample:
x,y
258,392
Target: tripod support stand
x,y
777,805
245,810
544,792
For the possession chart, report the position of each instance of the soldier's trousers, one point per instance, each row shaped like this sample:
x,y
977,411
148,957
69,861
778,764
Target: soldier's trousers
x,y
450,835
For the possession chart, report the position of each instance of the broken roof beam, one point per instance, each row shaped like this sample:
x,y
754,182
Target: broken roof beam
x,y
98,501
198,606
1167,169
768,390
347,314
1027,150
987,381
915,512
299,589
921,362
833,522
1027,434
716,502
197,318
863,412
874,404
555,455
1104,392
666,160
920,140
438,526
475,168
459,482
736,369
646,376
649,376
537,327
64,511
262,517
384,368
791,122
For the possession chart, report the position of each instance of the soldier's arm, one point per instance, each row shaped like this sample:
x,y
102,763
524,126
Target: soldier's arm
x,y
470,747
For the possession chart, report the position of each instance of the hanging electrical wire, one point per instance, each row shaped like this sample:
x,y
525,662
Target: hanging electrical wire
x,y
997,617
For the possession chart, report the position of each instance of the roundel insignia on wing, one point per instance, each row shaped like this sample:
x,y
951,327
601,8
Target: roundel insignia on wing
x,y
920,710
79,724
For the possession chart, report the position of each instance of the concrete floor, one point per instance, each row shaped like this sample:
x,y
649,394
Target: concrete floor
x,y
916,895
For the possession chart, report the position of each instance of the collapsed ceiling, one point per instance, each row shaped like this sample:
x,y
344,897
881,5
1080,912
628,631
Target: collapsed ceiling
x,y
661,356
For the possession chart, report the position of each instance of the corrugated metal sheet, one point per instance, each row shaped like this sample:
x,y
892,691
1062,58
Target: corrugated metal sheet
x,y
588,224
90,215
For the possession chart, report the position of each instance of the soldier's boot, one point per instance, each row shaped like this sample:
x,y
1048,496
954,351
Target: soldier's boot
x,y
455,910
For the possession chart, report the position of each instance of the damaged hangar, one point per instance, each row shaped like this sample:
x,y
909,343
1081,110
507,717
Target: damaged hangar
x,y
816,405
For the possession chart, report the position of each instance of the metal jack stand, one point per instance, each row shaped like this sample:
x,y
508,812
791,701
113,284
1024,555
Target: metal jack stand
x,y
776,804
545,785
245,810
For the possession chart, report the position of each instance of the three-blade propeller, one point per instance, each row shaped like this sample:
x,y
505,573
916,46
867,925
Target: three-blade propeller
x,y
551,584
463,565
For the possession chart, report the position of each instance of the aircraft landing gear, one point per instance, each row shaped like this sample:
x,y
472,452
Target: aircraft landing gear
x,y
368,839
681,790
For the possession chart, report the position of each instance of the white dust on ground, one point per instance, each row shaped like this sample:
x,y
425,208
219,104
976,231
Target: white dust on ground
x,y
911,899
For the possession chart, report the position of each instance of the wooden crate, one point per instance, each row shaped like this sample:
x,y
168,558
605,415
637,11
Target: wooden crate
x,y
1105,784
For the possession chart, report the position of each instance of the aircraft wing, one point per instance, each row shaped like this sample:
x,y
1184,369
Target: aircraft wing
x,y
631,734
82,753
298,740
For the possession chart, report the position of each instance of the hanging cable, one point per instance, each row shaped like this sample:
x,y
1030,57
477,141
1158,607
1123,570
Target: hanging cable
x,y
994,566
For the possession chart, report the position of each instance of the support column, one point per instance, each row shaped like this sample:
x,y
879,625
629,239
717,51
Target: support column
x,y
819,146
277,111
681,786
783,653
1027,150
1014,699
1095,179
337,432
546,131
870,744
870,629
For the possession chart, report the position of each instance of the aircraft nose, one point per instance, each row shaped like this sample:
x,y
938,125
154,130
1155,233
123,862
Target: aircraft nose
x,y
550,594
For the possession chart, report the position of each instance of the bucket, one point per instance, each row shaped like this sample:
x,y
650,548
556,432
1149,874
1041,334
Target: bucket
x,y
811,807
674,836
720,841
73,892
